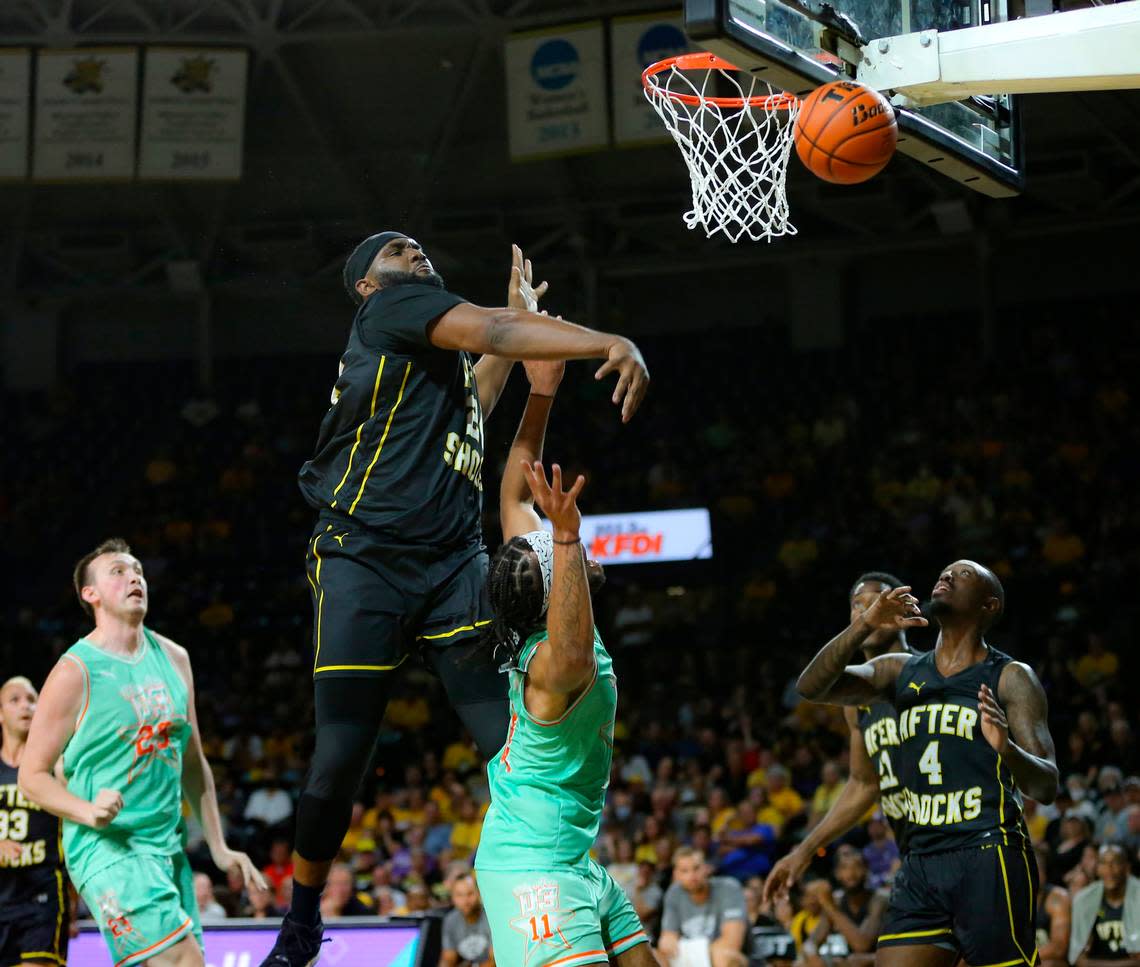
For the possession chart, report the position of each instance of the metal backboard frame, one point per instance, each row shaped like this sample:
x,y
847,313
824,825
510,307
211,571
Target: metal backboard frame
x,y
975,142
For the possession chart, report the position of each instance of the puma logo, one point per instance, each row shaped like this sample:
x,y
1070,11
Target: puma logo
x,y
339,538
917,688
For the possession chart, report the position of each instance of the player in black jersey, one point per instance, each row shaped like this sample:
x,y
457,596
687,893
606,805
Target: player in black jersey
x,y
396,562
973,737
872,772
34,898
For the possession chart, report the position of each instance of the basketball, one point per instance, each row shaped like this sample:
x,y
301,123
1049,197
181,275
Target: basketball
x,y
845,132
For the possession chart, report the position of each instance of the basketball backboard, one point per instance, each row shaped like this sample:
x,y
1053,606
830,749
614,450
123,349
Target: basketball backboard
x,y
976,141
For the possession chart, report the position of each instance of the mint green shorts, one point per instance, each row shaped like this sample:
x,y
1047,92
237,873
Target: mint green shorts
x,y
143,905
569,916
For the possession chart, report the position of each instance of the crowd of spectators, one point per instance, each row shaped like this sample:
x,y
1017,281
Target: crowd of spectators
x,y
815,467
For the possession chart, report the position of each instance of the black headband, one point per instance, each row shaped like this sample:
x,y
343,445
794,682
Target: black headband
x,y
361,259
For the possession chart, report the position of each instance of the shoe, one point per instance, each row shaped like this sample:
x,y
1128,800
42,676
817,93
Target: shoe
x,y
297,945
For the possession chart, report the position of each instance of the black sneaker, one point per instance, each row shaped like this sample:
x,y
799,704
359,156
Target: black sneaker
x,y
297,945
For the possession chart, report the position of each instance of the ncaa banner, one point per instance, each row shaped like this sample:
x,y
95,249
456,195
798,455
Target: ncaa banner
x,y
556,92
647,538
635,43
85,114
15,78
193,114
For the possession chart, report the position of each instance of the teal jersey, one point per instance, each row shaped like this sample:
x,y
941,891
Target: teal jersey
x,y
548,783
130,736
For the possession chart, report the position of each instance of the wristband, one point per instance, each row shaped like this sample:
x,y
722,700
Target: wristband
x,y
577,540
542,396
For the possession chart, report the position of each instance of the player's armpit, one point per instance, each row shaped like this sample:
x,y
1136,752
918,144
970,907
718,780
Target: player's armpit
x,y
1032,756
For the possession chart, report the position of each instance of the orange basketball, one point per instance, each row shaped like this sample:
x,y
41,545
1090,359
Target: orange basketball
x,y
846,132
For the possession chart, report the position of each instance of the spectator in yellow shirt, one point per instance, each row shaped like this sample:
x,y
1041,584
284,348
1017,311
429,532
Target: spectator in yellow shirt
x,y
782,795
1097,665
830,786
466,830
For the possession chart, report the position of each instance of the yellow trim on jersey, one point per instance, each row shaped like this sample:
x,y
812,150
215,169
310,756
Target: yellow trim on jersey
x,y
1006,963
360,668
360,429
1001,806
1009,910
915,933
320,593
453,631
387,427
30,955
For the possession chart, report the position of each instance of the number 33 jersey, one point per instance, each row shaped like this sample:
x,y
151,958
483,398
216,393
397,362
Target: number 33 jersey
x,y
130,736
958,792
27,880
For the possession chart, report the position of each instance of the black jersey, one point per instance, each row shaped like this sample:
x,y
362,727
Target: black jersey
x,y
879,724
959,793
401,448
26,880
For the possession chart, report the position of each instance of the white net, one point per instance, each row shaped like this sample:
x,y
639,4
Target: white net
x,y
736,147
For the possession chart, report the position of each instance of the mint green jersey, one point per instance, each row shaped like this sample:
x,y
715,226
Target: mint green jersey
x,y
130,736
548,783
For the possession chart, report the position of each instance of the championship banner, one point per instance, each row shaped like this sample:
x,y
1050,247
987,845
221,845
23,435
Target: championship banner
x,y
556,93
647,538
85,114
635,43
15,77
193,114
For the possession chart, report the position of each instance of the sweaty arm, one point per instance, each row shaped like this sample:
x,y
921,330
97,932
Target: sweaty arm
x,y
198,778
58,711
859,794
516,503
1028,751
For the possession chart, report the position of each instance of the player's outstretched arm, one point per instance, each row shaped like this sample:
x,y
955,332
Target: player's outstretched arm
x,y
1020,732
830,677
198,781
519,334
516,502
61,707
568,663
492,372
859,794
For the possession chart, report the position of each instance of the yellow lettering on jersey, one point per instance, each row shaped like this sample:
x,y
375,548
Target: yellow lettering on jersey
x,y
940,809
464,458
973,803
932,716
967,719
884,732
31,854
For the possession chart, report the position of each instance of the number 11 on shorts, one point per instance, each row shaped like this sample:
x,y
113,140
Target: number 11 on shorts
x,y
546,934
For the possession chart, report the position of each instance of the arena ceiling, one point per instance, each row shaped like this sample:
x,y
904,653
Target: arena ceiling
x,y
391,113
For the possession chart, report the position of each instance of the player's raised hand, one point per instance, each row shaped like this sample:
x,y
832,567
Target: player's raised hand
x,y
995,728
226,859
105,807
522,292
545,375
785,874
893,609
633,376
560,506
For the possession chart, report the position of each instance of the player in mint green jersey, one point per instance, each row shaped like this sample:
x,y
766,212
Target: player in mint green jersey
x,y
547,902
117,714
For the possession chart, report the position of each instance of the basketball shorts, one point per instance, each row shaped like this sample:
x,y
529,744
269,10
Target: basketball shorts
x,y
36,932
981,901
568,916
143,905
374,603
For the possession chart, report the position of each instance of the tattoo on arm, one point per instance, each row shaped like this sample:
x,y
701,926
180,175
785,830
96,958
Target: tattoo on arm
x,y
830,677
570,619
1031,756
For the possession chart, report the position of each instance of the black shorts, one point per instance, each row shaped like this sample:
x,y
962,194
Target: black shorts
x,y
39,937
982,901
375,602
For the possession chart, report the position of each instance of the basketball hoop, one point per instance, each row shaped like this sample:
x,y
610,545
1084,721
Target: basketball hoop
x,y
736,148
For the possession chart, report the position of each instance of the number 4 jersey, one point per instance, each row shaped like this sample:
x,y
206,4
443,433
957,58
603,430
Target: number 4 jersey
x,y
958,792
130,736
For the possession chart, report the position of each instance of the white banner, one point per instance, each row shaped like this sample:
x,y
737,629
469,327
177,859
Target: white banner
x,y
15,78
193,115
649,537
635,43
556,96
85,114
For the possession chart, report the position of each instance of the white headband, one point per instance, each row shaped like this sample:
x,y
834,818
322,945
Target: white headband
x,y
542,543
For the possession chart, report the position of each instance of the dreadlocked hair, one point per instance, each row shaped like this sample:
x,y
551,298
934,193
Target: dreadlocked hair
x,y
514,586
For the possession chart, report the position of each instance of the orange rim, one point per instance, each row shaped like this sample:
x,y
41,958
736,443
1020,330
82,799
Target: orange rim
x,y
704,61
